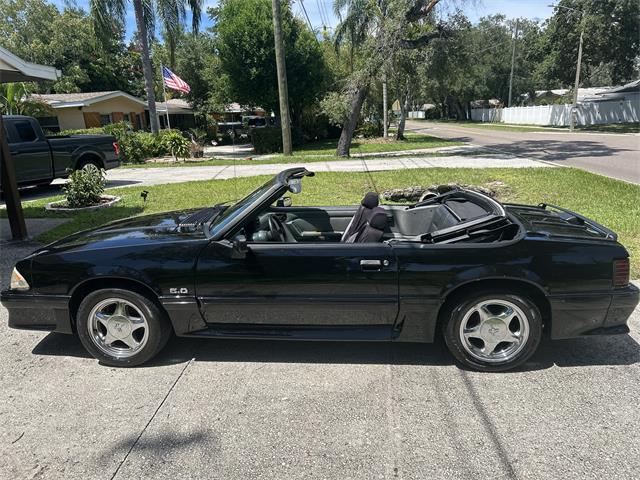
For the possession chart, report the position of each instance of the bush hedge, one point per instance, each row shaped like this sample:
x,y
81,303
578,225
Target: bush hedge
x,y
269,139
138,146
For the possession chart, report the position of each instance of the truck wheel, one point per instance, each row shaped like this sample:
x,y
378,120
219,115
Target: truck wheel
x,y
87,164
493,332
122,328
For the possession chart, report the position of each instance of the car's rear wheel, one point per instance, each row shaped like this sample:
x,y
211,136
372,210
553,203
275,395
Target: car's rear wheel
x,y
493,331
122,328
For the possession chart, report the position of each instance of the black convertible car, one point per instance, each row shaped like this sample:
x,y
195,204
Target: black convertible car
x,y
493,278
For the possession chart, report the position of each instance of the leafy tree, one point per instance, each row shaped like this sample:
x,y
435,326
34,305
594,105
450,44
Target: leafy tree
x,y
172,14
38,31
611,43
244,40
379,29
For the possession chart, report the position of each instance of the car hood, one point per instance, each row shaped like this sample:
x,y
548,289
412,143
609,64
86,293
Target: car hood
x,y
157,227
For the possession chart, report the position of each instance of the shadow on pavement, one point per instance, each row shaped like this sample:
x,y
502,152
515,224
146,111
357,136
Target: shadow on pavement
x,y
556,150
606,350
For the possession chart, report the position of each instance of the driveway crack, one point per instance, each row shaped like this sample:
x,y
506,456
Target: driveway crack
x,y
133,445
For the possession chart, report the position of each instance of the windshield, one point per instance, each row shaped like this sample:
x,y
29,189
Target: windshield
x,y
231,213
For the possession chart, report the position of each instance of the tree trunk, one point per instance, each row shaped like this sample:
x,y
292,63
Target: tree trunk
x,y
146,64
283,89
404,107
344,144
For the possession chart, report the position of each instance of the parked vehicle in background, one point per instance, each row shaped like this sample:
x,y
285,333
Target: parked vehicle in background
x,y
40,159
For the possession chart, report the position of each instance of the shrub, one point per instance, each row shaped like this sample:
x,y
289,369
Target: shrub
x,y
175,143
368,130
266,140
85,187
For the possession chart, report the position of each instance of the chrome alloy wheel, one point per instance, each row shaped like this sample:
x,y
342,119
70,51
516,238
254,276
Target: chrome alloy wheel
x,y
118,328
494,330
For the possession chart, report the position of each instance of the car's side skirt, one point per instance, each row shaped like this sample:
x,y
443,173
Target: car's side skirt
x,y
370,333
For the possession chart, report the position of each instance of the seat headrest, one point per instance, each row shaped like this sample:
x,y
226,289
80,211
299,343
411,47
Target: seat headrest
x,y
379,219
370,200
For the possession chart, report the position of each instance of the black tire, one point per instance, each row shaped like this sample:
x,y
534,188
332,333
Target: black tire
x,y
158,327
468,352
86,163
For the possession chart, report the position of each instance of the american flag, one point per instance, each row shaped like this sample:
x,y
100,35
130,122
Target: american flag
x,y
173,81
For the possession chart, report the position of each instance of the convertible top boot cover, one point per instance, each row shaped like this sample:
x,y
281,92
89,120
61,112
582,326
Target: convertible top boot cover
x,y
362,215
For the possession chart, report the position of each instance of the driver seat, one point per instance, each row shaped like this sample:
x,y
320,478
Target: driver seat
x,y
361,217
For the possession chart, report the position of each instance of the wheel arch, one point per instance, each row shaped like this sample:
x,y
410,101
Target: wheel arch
x,y
89,155
85,288
518,286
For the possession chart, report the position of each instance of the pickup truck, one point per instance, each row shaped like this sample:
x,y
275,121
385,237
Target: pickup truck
x,y
39,159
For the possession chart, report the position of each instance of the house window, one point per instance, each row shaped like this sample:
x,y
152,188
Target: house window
x,y
125,117
49,124
105,119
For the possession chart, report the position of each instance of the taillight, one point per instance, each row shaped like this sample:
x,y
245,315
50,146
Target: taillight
x,y
116,147
621,272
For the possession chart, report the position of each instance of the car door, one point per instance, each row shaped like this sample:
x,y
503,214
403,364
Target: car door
x,y
300,284
30,152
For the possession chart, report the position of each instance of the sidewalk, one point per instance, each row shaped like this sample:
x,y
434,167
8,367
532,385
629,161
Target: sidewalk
x,y
157,176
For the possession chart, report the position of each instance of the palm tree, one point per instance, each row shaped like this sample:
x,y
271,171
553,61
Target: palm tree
x,y
15,99
172,14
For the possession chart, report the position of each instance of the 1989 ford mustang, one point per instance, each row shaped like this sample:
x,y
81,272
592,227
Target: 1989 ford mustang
x,y
494,278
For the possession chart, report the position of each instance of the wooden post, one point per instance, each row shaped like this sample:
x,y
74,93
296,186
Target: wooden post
x,y
283,90
10,188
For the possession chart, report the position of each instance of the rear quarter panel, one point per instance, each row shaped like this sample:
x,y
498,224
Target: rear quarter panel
x,y
575,277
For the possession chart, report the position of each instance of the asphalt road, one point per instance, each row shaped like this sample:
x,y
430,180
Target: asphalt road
x,y
613,155
244,409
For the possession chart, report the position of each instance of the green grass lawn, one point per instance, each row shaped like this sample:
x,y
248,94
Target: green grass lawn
x,y
321,151
609,202
491,126
612,128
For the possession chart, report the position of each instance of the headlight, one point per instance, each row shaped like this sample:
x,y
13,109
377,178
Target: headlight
x,y
17,281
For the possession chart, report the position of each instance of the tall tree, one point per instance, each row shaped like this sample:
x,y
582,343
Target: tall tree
x,y
243,34
172,13
379,28
611,43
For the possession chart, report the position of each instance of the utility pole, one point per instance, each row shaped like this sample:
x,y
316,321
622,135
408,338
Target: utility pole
x,y
574,108
513,62
283,90
385,106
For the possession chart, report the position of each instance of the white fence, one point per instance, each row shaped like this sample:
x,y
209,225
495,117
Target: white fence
x,y
592,113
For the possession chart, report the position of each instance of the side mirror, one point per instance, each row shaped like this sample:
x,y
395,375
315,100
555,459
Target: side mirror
x,y
284,202
240,248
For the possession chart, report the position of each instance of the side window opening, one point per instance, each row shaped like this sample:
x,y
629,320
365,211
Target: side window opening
x,y
25,132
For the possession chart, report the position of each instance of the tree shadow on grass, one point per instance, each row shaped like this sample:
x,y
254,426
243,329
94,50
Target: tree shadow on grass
x,y
585,351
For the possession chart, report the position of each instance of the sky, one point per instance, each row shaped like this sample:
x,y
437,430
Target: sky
x,y
320,12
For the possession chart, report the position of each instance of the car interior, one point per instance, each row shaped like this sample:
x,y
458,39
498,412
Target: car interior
x,y
458,216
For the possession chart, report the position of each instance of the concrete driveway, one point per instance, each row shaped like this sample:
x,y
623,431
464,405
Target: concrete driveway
x,y
612,155
245,409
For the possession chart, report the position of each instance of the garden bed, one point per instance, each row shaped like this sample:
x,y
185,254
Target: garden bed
x,y
63,206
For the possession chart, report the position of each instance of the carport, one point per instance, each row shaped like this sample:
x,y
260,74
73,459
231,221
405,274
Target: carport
x,y
14,69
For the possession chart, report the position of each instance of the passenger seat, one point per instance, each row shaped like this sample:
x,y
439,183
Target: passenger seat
x,y
361,217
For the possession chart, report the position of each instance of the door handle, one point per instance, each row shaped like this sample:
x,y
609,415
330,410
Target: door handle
x,y
371,265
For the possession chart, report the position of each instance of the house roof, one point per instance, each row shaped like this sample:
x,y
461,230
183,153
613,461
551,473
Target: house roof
x,y
176,105
68,100
14,69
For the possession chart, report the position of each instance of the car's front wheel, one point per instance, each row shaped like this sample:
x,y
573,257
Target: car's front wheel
x,y
122,328
493,331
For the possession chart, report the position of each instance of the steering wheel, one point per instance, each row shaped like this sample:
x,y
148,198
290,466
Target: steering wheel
x,y
276,229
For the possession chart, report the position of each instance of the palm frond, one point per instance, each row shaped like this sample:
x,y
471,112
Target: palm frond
x,y
104,14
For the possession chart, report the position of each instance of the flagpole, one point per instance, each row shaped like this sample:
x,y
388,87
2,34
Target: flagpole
x,y
164,91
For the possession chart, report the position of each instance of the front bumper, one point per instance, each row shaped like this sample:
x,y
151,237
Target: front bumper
x,y
37,312
593,313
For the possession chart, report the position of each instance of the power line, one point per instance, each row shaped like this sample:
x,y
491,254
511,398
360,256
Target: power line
x,y
306,14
